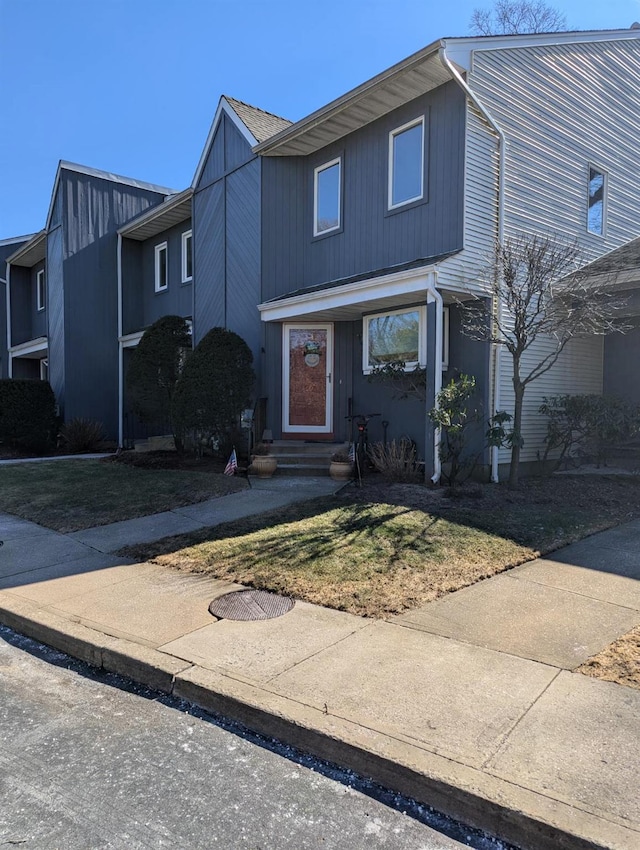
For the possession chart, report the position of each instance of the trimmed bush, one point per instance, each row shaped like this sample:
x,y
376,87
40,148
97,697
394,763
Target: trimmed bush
x,y
214,388
156,364
82,435
27,415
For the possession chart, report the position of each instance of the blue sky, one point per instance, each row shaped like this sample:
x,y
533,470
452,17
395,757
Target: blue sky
x,y
131,86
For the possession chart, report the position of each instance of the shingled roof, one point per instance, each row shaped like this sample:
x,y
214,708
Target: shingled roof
x,y
261,124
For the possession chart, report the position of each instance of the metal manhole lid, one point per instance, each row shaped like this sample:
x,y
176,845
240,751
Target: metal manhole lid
x,y
250,605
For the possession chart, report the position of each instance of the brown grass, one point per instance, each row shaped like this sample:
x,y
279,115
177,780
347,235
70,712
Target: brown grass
x,y
380,550
619,662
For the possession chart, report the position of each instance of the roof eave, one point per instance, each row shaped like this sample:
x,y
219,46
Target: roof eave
x,y
156,215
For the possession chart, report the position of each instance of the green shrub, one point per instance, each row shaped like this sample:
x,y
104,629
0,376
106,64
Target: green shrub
x,y
453,418
214,387
156,365
590,426
27,415
82,435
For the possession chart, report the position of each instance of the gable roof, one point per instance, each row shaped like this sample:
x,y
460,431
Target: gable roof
x,y
261,124
64,165
417,74
254,125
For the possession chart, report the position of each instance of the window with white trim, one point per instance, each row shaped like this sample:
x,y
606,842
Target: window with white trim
x,y
393,336
596,192
326,197
445,337
44,369
406,163
187,256
41,290
161,274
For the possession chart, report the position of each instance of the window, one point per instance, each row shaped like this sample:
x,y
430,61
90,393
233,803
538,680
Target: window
x,y
596,201
161,267
41,290
44,369
187,256
398,335
326,197
406,164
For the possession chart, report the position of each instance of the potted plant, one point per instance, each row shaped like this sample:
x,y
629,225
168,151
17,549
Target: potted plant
x,y
340,467
263,463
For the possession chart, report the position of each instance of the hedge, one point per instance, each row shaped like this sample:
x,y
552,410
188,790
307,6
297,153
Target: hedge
x,y
27,415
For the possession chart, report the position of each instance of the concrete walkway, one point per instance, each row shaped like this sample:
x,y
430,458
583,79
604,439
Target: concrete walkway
x,y
470,704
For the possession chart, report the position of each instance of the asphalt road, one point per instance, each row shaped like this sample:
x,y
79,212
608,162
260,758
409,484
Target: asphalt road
x,y
89,761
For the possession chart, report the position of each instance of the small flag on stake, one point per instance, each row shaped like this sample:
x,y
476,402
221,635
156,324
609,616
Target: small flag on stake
x,y
232,464
352,453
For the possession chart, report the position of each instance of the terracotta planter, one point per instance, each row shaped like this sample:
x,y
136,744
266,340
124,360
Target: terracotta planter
x,y
340,471
264,465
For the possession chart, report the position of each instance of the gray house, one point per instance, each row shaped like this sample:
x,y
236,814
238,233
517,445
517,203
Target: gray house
x,y
63,293
7,248
155,277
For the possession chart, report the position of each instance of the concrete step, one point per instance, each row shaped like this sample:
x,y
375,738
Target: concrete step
x,y
299,447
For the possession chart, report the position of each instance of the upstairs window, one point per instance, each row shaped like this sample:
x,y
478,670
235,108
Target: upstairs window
x,y
596,201
406,164
187,256
161,267
41,290
393,336
326,197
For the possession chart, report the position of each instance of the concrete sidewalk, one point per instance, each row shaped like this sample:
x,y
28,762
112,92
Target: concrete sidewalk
x,y
469,704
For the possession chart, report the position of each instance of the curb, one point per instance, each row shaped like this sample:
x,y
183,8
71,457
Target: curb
x,y
512,813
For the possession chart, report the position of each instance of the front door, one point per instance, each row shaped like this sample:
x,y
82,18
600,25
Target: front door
x,y
307,364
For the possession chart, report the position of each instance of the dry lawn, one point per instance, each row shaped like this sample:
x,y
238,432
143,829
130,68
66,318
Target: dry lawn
x,y
619,662
381,550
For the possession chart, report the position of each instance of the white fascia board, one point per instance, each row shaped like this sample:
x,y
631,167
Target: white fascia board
x,y
31,346
223,106
349,294
461,50
130,340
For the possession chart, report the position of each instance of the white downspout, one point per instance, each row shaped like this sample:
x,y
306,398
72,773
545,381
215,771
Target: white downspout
x,y
434,296
501,180
120,350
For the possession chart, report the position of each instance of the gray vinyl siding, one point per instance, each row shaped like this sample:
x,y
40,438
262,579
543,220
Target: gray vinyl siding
x,y
176,299
132,290
92,211
577,104
3,330
226,228
622,356
371,237
55,309
38,317
27,322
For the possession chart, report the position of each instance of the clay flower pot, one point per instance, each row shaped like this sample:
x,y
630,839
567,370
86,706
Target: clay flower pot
x,y
264,465
340,471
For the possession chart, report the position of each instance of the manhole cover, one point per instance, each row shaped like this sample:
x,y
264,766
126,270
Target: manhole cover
x,y
250,605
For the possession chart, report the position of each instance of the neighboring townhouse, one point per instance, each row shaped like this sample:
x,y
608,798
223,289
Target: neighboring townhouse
x,y
380,210
63,291
620,270
26,299
7,248
155,277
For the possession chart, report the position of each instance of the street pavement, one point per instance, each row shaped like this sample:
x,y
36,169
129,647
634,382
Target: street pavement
x,y
470,704
89,763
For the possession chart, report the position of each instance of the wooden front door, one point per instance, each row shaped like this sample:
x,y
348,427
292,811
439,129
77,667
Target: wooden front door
x,y
307,364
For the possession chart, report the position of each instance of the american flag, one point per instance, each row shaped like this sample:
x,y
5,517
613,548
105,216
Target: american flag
x,y
352,453
232,464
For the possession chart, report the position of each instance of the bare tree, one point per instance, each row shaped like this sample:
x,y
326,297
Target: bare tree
x,y
510,17
535,294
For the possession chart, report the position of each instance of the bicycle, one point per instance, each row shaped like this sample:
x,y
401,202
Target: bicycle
x,y
361,448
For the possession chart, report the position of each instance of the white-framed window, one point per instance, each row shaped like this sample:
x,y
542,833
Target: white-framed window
x,y
44,369
161,275
326,197
596,200
406,163
187,256
41,290
394,335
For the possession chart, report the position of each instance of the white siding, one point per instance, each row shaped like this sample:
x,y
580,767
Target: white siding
x,y
561,107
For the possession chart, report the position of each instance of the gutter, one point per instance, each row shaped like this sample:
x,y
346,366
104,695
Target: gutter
x,y
502,144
